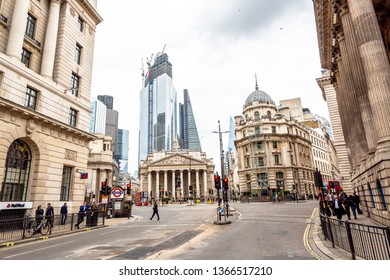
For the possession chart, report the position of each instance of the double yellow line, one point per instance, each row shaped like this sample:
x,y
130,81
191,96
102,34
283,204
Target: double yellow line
x,y
306,236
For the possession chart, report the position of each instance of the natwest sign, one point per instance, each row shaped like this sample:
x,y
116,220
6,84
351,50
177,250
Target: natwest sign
x,y
15,205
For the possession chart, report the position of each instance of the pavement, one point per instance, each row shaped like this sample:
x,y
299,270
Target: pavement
x,y
313,238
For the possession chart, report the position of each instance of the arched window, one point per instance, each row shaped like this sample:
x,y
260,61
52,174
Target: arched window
x,y
257,116
17,170
269,114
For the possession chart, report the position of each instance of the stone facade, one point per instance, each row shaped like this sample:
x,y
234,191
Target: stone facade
x,y
44,119
354,41
177,175
274,153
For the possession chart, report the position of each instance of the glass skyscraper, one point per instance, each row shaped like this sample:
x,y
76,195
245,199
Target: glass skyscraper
x,y
98,117
189,138
122,148
158,110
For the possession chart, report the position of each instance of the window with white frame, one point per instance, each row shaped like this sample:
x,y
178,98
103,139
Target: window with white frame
x,y
77,57
26,57
31,26
72,117
30,100
75,84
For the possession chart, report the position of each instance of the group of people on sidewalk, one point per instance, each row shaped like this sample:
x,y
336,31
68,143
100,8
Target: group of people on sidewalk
x,y
48,215
40,214
340,204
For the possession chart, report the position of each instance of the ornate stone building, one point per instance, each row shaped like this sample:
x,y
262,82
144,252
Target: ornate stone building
x,y
274,153
177,174
354,42
46,55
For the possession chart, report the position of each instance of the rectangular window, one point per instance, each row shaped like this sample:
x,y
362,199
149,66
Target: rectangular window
x,y
273,129
78,54
80,24
72,117
31,25
30,100
65,184
276,158
75,84
259,145
247,162
260,161
274,144
26,57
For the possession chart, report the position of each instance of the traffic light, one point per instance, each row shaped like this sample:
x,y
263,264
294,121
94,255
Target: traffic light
x,y
104,189
225,183
128,189
217,181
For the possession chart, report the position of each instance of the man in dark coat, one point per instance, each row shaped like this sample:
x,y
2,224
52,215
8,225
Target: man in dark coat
x,y
155,211
49,215
80,215
64,213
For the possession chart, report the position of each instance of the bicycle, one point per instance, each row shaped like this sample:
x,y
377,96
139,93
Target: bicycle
x,y
32,227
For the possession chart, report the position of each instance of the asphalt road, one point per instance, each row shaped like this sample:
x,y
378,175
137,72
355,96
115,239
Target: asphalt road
x,y
258,231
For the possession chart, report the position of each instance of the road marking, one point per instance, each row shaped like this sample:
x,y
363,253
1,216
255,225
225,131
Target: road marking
x,y
306,237
199,227
112,231
32,251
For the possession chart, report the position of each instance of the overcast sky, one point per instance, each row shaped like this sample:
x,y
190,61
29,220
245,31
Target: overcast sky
x,y
215,47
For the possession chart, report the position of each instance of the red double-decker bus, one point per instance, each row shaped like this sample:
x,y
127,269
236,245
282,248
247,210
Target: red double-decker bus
x,y
332,186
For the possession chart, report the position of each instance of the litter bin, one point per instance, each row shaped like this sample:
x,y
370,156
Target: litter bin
x,y
92,219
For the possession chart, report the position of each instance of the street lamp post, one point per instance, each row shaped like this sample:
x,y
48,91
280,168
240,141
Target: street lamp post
x,y
224,196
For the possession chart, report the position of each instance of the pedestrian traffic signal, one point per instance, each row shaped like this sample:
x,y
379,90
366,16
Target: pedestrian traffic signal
x,y
217,181
225,183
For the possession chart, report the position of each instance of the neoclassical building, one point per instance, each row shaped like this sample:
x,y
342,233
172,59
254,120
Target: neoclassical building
x,y
354,42
46,56
177,174
274,153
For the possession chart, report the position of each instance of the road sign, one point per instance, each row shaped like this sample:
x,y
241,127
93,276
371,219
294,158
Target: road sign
x,y
104,199
117,193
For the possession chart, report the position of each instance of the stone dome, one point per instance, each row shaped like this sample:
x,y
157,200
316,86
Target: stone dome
x,y
259,96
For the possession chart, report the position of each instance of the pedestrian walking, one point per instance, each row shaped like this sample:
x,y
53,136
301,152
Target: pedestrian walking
x,y
357,203
80,215
338,209
49,215
64,213
155,211
353,205
39,214
346,203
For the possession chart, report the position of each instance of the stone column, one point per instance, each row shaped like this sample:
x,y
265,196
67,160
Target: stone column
x,y
197,184
189,182
376,65
49,48
205,183
18,28
157,196
173,184
165,182
149,185
354,69
356,126
181,183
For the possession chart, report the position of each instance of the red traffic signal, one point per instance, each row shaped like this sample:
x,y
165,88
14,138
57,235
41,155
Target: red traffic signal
x,y
225,183
128,189
217,181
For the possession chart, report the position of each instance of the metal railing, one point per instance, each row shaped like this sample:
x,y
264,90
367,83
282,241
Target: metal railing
x,y
365,241
13,229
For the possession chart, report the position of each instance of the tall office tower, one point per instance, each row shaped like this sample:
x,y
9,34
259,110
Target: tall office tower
x,y
108,100
46,59
98,117
158,110
189,138
122,149
112,128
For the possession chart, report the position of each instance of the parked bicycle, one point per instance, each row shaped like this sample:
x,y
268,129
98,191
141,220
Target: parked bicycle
x,y
33,227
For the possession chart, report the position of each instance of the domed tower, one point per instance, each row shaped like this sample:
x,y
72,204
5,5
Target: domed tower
x,y
274,154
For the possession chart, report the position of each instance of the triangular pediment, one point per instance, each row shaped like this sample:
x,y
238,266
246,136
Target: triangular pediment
x,y
177,159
